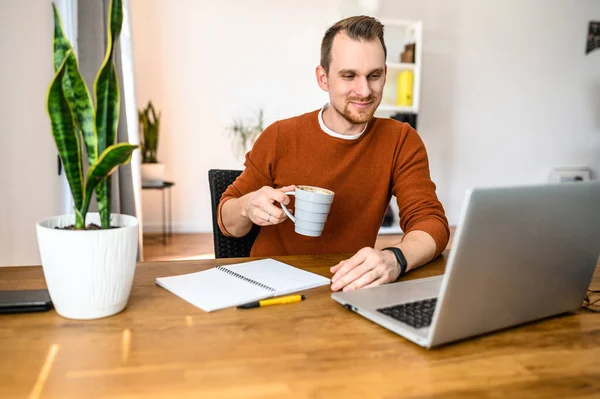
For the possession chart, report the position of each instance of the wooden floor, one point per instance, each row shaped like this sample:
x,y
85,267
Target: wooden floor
x,y
200,246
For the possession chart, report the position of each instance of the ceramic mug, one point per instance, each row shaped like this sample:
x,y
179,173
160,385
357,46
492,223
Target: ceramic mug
x,y
312,208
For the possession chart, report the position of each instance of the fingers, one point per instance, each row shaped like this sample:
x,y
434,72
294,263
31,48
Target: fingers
x,y
351,269
265,218
355,278
366,268
278,195
375,283
285,189
346,265
274,210
366,279
261,217
263,209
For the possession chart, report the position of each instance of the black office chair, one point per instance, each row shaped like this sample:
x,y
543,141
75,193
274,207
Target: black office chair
x,y
227,247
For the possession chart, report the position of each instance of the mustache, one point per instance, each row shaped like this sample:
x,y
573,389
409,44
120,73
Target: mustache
x,y
361,99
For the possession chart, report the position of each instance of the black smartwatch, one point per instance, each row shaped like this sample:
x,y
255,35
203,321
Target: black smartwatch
x,y
399,257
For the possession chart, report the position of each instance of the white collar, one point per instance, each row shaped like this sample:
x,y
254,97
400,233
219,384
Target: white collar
x,y
334,134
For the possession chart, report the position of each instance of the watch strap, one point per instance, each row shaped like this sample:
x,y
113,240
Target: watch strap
x,y
399,257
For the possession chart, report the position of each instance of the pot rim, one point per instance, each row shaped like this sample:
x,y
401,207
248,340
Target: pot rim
x,y
126,221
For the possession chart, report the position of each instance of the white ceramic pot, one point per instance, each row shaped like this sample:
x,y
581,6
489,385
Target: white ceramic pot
x,y
89,273
152,174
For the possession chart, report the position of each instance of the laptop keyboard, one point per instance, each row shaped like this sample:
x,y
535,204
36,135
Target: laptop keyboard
x,y
415,314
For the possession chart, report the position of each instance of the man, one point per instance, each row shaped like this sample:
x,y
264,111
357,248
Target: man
x,y
343,148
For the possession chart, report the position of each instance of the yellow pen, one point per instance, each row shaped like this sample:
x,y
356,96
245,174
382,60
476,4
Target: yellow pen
x,y
273,301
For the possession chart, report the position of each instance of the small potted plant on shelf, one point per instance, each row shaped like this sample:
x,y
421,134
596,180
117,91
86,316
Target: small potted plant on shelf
x,y
244,133
152,170
88,258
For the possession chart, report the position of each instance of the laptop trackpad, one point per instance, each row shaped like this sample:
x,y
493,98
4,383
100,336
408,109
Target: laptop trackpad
x,y
392,294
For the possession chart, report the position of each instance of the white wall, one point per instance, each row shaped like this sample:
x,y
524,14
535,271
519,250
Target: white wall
x,y
507,92
203,63
30,189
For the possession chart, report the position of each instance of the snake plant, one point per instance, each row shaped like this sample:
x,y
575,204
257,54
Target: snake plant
x,y
76,123
244,132
150,126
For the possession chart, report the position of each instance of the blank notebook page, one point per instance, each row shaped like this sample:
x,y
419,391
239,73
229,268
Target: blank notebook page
x,y
213,289
279,276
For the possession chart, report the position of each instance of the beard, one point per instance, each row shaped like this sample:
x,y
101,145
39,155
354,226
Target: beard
x,y
359,116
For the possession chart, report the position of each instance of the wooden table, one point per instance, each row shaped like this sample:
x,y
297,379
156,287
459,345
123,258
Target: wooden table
x,y
163,347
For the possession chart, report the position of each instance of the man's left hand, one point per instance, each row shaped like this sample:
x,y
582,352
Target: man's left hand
x,y
367,268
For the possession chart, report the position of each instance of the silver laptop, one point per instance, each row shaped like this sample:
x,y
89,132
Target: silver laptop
x,y
519,254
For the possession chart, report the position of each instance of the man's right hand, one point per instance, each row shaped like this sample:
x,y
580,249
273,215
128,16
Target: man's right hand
x,y
262,206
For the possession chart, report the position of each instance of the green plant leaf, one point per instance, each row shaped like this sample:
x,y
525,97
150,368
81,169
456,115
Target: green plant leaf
x,y
106,86
155,128
103,196
75,89
245,132
80,101
106,165
107,112
61,43
68,141
150,128
106,89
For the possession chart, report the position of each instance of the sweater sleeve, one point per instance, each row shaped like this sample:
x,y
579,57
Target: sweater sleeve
x,y
414,190
257,173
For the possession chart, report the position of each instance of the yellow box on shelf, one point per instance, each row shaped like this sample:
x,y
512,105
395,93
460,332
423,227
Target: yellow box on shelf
x,y
404,88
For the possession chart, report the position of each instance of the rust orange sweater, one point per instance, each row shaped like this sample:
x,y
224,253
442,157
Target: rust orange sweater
x,y
388,158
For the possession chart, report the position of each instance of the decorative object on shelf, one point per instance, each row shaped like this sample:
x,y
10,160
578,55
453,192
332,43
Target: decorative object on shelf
x,y
408,55
405,79
88,269
404,89
593,37
244,133
401,93
152,170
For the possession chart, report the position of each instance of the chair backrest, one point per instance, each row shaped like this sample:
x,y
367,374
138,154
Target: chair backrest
x,y
227,247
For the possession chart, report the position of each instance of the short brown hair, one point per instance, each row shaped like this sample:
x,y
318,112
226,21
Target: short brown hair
x,y
357,28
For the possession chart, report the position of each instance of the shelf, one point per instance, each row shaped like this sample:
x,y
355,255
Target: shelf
x,y
397,108
390,230
398,33
400,66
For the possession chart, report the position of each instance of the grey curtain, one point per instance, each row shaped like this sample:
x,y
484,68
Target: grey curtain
x,y
92,36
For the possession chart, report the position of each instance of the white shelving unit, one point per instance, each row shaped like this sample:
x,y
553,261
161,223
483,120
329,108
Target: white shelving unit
x,y
397,34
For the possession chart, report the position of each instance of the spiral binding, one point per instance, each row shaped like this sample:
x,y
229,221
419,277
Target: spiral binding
x,y
234,274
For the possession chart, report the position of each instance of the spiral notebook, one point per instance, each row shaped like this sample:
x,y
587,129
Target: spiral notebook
x,y
233,285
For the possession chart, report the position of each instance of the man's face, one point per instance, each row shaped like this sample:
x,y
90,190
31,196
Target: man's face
x,y
356,78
